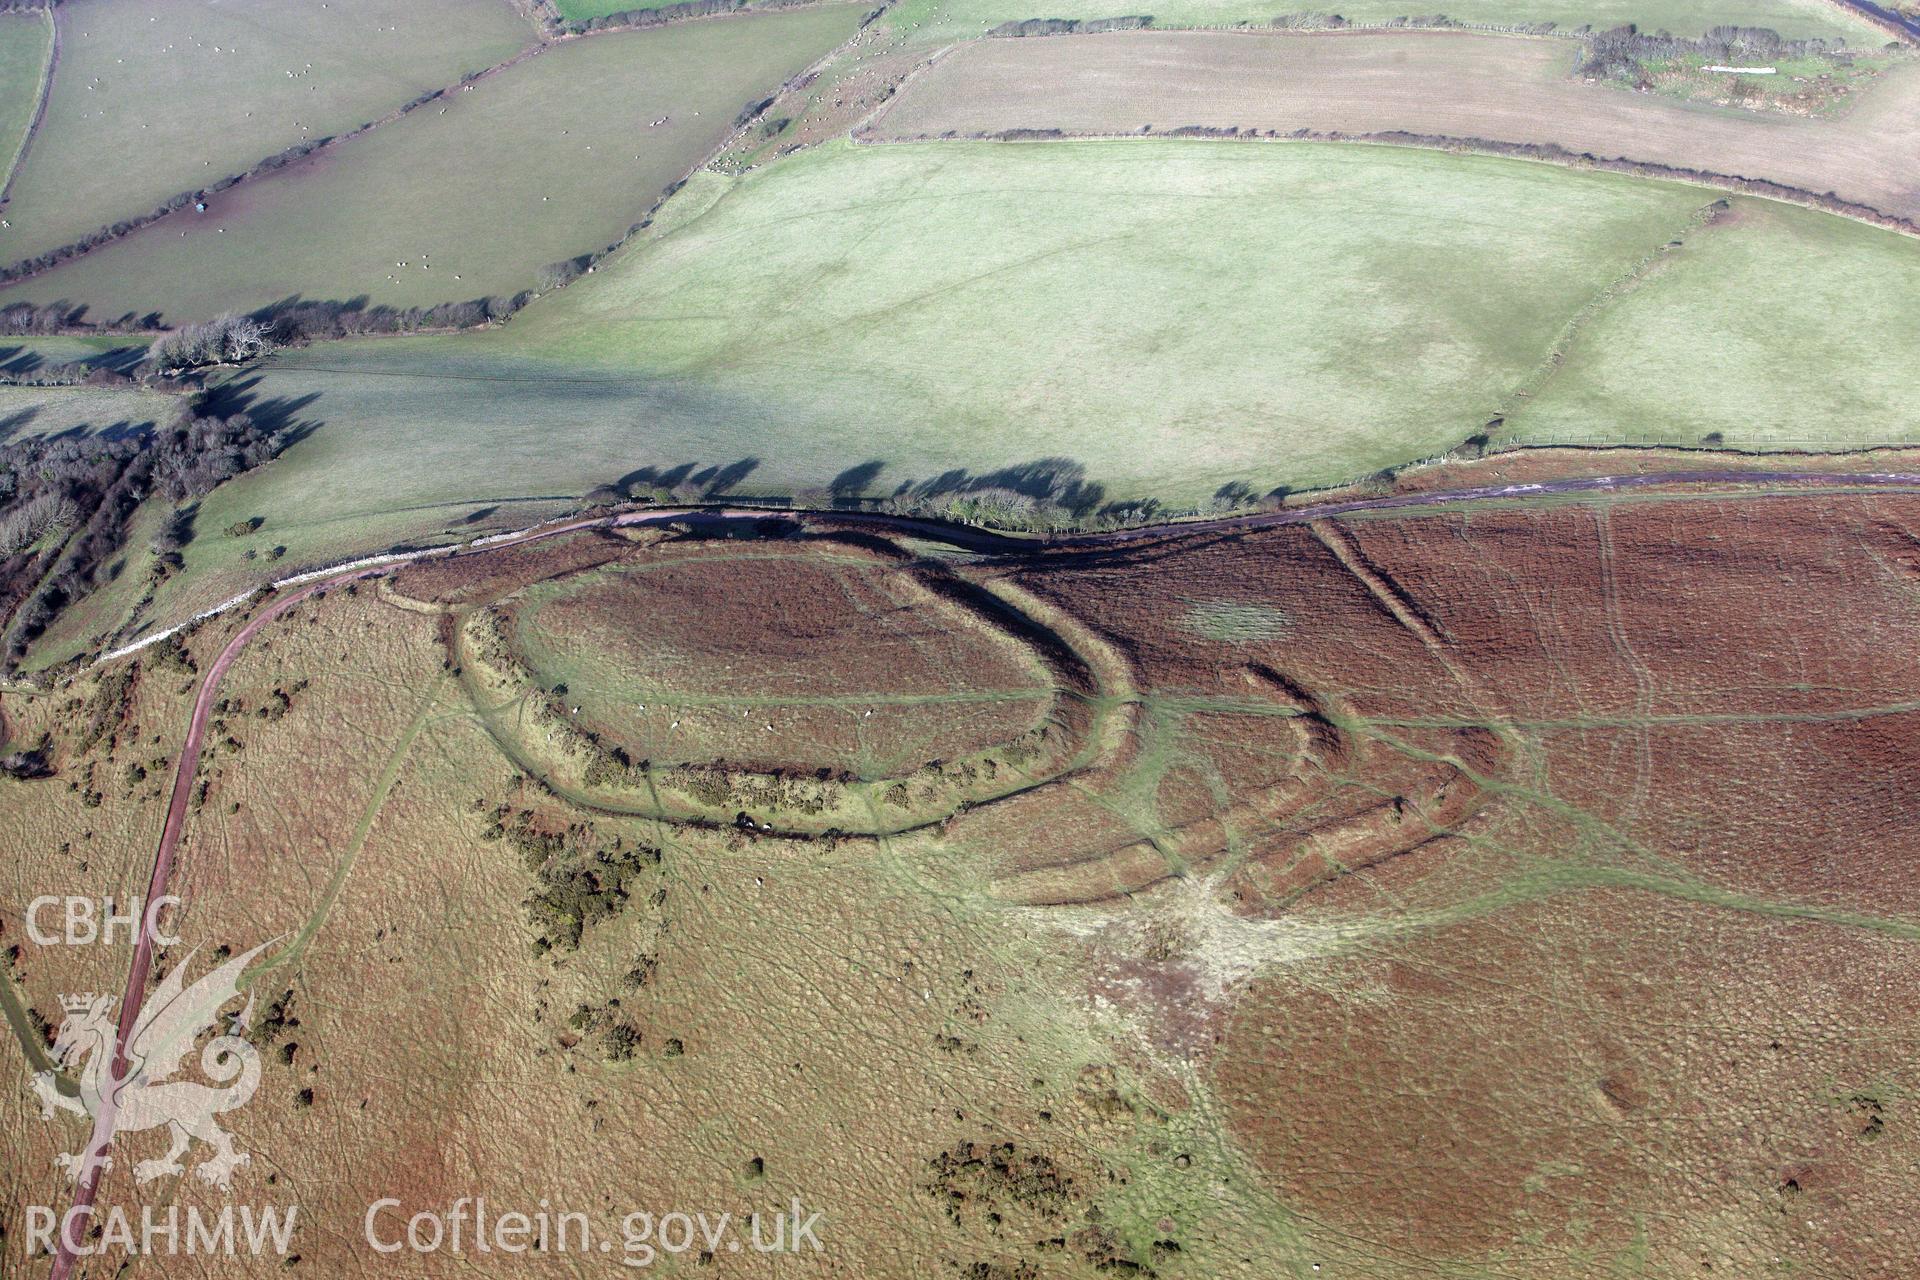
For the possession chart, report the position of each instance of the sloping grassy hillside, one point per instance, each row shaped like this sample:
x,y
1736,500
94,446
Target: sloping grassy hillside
x,y
469,196
25,41
1156,317
1774,328
1168,316
27,412
164,96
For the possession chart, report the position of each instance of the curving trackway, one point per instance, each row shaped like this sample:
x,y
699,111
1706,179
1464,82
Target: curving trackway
x,y
287,595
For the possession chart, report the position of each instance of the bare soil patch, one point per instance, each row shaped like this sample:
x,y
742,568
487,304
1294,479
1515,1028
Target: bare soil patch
x,y
1451,84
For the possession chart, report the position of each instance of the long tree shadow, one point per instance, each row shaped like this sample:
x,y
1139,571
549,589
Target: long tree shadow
x,y
686,481
1062,481
295,316
278,414
21,361
1058,483
14,423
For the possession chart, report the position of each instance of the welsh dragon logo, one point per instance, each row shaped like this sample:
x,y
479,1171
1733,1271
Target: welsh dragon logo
x,y
145,1095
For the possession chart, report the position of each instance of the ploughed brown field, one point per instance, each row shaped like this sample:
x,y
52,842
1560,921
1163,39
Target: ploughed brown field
x,y
1524,888
1447,84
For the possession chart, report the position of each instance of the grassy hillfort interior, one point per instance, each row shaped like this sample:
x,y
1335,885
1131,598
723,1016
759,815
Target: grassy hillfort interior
x,y
960,639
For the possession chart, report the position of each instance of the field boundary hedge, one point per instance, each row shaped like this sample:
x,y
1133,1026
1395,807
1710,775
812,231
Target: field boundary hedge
x,y
28,268
40,103
663,15
1546,152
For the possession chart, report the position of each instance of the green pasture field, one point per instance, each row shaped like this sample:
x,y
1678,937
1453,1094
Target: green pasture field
x,y
1171,316
27,412
25,41
24,355
1740,333
470,196
143,107
938,21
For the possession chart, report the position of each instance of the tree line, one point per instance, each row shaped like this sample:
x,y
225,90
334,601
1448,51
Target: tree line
x,y
1621,51
69,503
